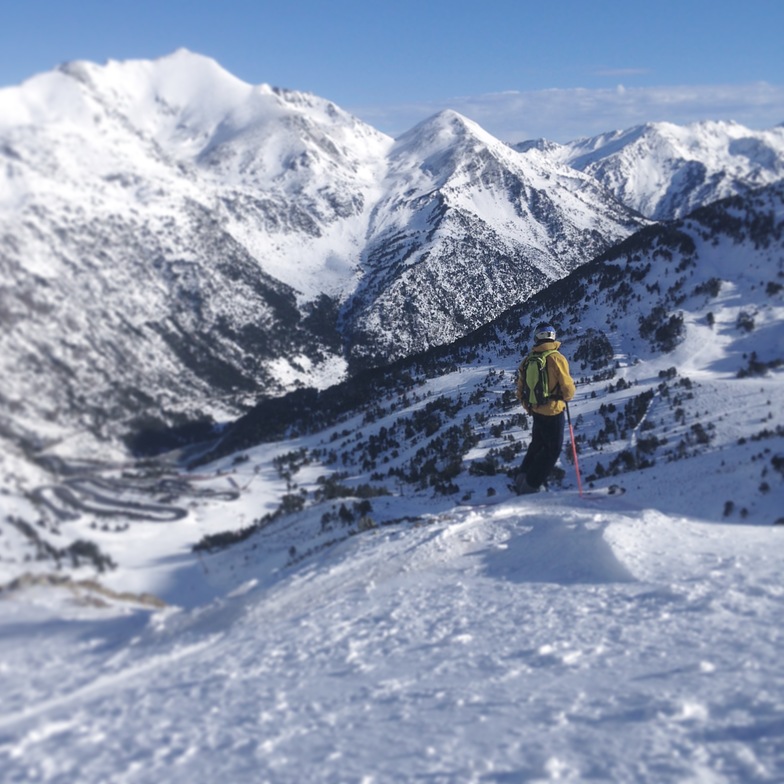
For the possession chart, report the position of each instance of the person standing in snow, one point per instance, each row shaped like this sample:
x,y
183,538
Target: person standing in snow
x,y
546,403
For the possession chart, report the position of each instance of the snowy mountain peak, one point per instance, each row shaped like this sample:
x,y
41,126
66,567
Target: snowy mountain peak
x,y
188,87
462,206
182,78
447,133
542,145
447,125
190,106
665,171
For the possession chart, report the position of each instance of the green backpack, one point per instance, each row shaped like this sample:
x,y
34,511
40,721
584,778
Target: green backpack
x,y
536,385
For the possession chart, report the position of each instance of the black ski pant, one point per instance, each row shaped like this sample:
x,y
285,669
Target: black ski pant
x,y
547,435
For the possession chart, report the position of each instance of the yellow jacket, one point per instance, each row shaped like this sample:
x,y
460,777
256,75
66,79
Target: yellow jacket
x,y
560,382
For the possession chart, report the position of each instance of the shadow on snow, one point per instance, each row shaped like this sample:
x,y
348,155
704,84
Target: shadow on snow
x,y
554,549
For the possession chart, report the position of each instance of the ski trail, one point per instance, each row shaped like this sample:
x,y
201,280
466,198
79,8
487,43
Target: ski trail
x,y
105,683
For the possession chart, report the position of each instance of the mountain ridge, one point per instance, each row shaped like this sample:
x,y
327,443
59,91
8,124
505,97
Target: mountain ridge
x,y
649,329
474,211
139,209
692,165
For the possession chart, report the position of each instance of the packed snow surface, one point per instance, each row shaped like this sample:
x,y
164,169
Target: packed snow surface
x,y
549,639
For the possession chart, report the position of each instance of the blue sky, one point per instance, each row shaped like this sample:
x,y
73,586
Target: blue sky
x,y
555,68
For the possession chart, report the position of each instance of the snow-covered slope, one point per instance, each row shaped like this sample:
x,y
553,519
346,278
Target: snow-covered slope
x,y
168,239
561,644
665,171
349,615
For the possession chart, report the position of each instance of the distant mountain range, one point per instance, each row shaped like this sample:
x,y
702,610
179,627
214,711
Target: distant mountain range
x,y
665,171
175,243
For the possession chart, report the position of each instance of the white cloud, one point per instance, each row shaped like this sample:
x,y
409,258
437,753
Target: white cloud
x,y
567,114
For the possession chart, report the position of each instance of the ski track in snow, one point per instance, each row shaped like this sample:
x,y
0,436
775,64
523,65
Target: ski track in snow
x,y
531,641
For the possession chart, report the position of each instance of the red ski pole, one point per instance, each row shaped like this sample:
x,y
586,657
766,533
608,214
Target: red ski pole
x,y
574,452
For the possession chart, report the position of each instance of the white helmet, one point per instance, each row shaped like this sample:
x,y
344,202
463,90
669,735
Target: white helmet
x,y
544,332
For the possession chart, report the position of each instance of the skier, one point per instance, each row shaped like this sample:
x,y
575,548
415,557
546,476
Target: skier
x,y
546,402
